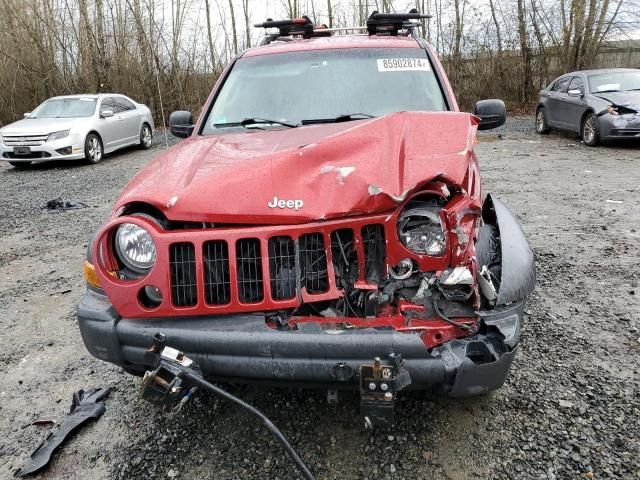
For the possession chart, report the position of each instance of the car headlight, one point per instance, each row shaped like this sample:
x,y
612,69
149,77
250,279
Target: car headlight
x,y
57,135
420,228
135,247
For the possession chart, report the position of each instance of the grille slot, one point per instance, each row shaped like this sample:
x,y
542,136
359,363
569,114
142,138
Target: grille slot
x,y
217,285
24,140
313,263
249,266
374,244
345,256
282,267
182,266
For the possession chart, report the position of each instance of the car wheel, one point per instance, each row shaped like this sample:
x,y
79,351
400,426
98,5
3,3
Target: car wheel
x,y
146,137
93,152
541,122
21,165
591,130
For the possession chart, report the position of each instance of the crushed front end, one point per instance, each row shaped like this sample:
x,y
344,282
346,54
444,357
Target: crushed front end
x,y
433,291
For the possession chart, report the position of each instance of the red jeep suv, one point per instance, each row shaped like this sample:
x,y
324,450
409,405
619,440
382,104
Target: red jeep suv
x,y
321,225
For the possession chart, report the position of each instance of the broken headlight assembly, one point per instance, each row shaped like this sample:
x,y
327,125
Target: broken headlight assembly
x,y
620,110
420,227
135,248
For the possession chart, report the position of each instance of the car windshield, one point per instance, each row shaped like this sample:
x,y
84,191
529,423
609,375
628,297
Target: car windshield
x,y
323,86
65,108
615,81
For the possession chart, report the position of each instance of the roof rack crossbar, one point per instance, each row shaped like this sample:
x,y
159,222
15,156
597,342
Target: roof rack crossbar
x,y
391,23
292,26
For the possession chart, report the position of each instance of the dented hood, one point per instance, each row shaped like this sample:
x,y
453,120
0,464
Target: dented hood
x,y
319,171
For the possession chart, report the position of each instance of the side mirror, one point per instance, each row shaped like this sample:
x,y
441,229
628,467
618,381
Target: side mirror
x,y
181,124
27,114
106,113
575,93
492,113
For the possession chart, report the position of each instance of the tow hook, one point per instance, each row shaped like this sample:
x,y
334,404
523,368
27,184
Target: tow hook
x,y
379,385
176,378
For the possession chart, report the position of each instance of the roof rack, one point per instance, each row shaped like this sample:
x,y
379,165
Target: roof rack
x,y
391,23
377,24
286,28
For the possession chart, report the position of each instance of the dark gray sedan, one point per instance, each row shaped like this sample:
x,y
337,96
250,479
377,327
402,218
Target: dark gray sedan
x,y
597,104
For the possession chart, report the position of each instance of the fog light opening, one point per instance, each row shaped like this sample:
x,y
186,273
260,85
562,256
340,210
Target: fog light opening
x,y
64,151
150,296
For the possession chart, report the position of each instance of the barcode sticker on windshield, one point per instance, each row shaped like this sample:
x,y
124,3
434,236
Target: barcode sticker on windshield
x,y
403,64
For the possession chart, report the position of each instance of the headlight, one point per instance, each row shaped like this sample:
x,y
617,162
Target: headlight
x,y
420,228
57,135
135,247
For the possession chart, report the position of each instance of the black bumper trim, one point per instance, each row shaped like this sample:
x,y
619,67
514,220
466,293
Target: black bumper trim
x,y
242,348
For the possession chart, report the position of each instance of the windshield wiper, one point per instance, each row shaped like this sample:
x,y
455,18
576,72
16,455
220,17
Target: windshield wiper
x,y
607,91
253,121
347,117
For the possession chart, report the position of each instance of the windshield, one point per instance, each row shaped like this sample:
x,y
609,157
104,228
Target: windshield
x,y
323,85
615,81
65,108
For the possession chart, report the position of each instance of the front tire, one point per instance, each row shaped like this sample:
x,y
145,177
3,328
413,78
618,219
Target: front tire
x,y
541,122
146,137
591,130
93,151
21,165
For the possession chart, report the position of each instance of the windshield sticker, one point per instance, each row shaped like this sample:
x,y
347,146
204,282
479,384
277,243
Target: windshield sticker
x,y
403,64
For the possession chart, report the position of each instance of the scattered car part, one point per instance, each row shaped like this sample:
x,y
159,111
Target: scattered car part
x,y
86,405
176,376
58,205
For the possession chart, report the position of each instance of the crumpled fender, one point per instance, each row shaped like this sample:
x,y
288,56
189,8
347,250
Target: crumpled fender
x,y
518,268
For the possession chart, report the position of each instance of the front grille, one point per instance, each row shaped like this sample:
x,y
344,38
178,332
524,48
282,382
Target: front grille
x,y
345,256
625,132
282,267
24,140
28,156
374,253
313,263
182,263
249,267
217,284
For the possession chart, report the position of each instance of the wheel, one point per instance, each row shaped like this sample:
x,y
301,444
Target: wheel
x,y
21,165
541,122
146,137
591,130
93,152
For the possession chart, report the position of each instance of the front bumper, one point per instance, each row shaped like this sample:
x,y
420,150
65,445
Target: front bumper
x,y
242,348
48,151
619,127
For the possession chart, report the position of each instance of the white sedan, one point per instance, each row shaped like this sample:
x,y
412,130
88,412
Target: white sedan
x,y
76,127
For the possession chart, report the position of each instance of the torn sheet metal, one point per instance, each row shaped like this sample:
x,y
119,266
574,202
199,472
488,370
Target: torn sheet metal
x,y
336,170
86,404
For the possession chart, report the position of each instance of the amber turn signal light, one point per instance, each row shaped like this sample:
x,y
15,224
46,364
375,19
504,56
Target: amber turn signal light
x,y
90,275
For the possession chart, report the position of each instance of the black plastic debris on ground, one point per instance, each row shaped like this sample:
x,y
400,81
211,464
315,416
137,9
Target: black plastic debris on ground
x,y
86,404
58,205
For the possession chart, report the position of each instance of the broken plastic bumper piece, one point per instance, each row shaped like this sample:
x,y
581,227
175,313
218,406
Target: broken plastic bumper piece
x,y
86,405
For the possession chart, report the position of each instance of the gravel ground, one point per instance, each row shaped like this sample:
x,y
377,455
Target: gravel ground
x,y
570,407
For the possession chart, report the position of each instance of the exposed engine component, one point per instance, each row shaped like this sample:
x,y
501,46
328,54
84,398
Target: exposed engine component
x,y
420,227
